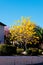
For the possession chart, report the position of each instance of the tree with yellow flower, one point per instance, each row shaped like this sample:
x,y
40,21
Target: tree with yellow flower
x,y
24,33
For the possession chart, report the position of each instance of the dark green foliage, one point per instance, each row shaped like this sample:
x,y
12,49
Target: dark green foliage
x,y
7,50
40,51
7,39
34,51
10,50
32,45
29,51
39,31
19,51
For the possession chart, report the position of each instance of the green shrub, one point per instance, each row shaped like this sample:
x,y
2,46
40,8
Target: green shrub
x,y
19,51
32,51
40,51
7,50
35,51
29,51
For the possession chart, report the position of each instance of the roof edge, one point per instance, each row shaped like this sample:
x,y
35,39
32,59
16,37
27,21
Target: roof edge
x,y
2,24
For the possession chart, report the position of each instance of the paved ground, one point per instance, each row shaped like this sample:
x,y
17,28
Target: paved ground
x,y
21,60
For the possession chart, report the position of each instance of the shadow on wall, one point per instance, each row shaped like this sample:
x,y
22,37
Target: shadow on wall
x,y
35,64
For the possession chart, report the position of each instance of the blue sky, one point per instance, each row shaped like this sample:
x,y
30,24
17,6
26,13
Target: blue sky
x,y
11,10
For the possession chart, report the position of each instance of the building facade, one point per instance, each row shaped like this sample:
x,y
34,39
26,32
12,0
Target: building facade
x,y
2,32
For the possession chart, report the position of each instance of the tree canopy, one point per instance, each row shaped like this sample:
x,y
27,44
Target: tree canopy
x,y
26,32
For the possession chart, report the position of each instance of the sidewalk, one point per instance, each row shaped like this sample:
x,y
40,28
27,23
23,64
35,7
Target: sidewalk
x,y
20,60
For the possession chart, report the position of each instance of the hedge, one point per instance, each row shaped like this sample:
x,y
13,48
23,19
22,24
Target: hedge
x,y
7,50
34,51
19,51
